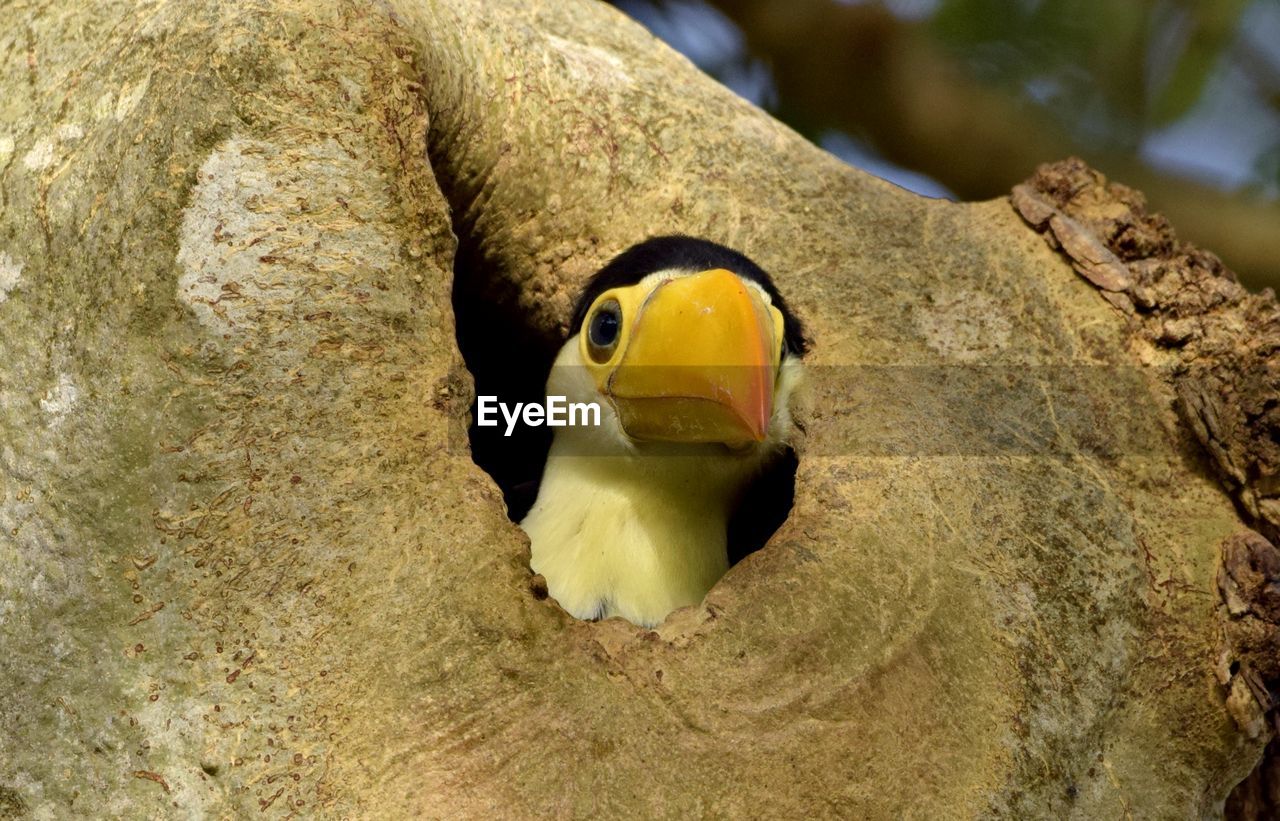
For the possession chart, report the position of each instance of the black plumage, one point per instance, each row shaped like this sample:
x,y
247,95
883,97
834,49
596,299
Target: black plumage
x,y
684,253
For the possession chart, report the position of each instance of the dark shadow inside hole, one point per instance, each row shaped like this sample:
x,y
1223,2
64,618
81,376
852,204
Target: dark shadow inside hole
x,y
509,359
764,506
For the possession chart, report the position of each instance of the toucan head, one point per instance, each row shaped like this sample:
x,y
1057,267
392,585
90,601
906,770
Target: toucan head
x,y
686,340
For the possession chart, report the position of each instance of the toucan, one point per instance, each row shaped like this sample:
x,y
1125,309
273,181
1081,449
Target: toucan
x,y
693,358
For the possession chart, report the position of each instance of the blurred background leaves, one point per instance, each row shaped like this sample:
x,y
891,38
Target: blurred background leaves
x,y
963,98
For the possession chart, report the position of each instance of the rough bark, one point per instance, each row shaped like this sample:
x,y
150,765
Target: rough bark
x,y
249,565
1216,344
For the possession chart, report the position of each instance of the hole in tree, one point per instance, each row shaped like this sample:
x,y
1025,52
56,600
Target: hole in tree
x,y
764,506
510,359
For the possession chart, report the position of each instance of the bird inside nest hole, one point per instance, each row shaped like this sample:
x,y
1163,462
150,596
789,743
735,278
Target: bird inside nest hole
x,y
693,359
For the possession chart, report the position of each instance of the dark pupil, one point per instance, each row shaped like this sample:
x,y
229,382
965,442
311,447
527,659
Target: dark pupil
x,y
604,328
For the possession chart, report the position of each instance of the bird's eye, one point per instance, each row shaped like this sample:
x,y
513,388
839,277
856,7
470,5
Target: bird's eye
x,y
603,331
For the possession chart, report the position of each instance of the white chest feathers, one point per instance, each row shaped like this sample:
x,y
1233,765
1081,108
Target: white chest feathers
x,y
637,531
614,538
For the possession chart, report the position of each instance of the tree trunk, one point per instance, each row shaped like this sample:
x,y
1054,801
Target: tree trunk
x,y
249,564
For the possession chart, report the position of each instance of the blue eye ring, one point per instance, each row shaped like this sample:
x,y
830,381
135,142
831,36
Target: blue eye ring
x,y
604,328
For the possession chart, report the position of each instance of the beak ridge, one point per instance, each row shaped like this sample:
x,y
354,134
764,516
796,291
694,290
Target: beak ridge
x,y
700,363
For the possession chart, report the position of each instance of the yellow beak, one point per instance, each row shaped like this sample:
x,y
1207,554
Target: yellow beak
x,y
699,363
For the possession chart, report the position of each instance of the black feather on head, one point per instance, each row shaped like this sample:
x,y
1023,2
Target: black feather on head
x,y
684,253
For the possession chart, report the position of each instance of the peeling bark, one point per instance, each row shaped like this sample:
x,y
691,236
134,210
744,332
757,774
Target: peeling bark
x,y
250,567
1216,341
1216,344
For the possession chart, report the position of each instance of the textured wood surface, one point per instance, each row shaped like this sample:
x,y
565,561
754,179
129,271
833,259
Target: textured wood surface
x,y
248,566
